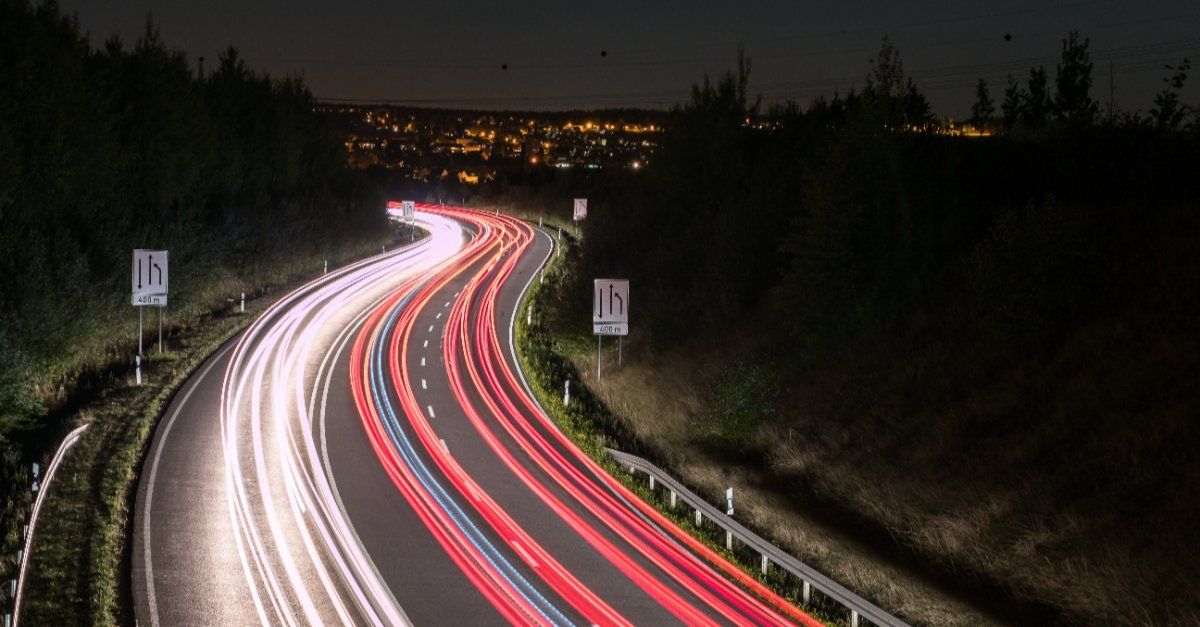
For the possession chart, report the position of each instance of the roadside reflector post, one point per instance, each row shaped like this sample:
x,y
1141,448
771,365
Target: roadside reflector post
x,y
567,393
24,531
242,308
326,267
729,501
539,222
8,620
853,618
138,367
13,594
529,316
651,483
34,488
765,562
673,497
36,470
806,592
728,540
699,517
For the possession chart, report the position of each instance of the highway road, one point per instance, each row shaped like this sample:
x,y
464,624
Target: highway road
x,y
367,452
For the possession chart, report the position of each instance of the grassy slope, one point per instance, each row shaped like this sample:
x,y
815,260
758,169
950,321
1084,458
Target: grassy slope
x,y
80,582
1053,477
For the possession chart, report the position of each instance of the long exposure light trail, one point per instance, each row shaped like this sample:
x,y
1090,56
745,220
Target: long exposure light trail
x,y
692,582
289,529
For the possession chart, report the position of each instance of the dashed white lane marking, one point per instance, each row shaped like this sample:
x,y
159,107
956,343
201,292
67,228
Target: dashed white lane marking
x,y
426,345
439,316
430,408
430,329
448,302
423,386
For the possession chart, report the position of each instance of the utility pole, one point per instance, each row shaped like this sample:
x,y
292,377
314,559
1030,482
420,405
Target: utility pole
x,y
1112,109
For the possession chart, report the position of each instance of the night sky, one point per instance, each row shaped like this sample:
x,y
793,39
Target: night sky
x,y
450,53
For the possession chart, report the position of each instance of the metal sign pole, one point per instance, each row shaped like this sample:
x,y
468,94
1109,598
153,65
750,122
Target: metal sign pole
x,y
139,331
160,329
599,358
619,342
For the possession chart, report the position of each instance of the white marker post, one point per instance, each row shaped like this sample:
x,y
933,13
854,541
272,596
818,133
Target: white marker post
x,y
567,393
610,313
242,308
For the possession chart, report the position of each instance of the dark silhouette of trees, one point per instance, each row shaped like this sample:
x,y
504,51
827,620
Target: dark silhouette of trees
x,y
984,108
1012,105
1037,105
892,95
1168,112
1073,102
106,150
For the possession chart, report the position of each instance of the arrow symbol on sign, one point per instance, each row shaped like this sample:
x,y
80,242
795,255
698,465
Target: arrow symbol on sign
x,y
139,274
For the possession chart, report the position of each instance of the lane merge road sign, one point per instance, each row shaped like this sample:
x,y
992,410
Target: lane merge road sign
x,y
610,307
149,278
580,212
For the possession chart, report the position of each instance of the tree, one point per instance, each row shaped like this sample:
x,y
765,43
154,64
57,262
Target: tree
x,y
984,108
893,96
1037,105
1167,112
1073,103
1013,101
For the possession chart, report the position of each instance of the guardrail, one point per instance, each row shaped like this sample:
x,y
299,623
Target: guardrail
x,y
18,586
859,607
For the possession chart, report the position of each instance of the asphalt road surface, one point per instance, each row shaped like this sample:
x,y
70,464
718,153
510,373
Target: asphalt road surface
x,y
367,452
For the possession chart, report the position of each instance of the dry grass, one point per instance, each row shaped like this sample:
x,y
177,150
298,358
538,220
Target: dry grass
x,y
661,414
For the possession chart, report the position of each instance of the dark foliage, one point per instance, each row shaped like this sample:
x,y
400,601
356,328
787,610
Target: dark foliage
x,y
109,149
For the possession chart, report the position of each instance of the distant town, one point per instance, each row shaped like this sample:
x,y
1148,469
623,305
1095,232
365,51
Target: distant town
x,y
473,147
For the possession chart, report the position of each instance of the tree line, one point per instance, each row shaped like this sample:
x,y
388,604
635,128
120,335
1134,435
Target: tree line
x,y
841,217
1033,105
105,148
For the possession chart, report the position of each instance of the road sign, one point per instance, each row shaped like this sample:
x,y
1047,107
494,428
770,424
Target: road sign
x,y
410,209
580,209
610,307
149,278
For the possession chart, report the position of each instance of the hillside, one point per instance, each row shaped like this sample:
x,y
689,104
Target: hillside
x,y
973,355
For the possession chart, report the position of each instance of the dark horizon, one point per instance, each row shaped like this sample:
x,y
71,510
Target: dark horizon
x,y
652,55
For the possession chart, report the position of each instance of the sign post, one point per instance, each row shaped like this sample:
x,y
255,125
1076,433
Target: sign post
x,y
580,212
610,314
149,287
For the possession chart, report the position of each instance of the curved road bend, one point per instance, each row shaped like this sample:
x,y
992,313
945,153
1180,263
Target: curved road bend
x,y
368,453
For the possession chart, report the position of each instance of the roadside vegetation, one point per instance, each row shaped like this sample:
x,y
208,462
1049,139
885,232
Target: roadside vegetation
x,y
109,147
977,353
